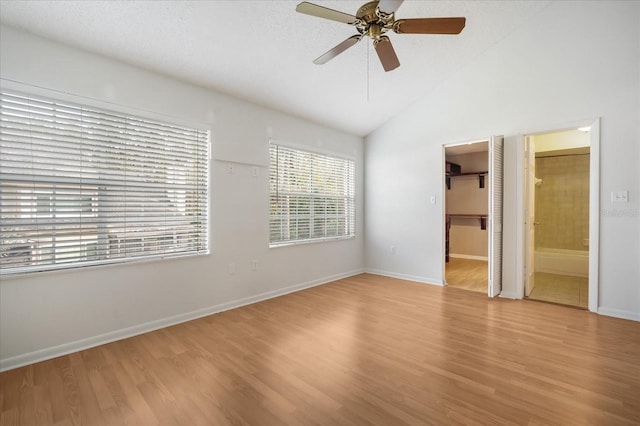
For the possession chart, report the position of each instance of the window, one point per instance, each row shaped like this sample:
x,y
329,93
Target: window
x,y
312,196
82,186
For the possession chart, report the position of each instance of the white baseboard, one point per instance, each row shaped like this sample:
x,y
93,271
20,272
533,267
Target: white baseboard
x,y
124,333
424,280
633,316
468,256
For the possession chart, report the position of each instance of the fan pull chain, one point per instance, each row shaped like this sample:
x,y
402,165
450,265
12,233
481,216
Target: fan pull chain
x,y
368,50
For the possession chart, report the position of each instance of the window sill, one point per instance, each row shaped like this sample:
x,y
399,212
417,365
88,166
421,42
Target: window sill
x,y
310,241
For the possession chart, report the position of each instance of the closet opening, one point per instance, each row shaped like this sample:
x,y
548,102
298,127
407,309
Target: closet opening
x,y
473,216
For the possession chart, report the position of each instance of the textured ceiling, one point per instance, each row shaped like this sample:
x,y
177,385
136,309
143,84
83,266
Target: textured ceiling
x,y
262,51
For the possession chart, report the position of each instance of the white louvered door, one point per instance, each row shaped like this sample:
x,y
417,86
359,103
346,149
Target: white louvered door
x,y
496,146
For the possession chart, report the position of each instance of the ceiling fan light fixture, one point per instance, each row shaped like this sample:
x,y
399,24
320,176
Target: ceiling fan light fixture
x,y
383,16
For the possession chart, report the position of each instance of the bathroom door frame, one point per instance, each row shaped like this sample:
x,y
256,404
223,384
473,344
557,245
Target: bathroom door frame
x,y
529,213
594,206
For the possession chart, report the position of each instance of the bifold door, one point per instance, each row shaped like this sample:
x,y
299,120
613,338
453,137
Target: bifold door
x,y
496,145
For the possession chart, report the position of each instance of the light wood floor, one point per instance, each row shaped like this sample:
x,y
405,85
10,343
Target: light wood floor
x,y
563,289
363,350
467,274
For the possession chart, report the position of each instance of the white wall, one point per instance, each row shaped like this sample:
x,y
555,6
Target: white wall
x,y
572,62
51,313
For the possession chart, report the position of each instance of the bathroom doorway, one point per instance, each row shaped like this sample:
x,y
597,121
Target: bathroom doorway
x,y
557,217
473,215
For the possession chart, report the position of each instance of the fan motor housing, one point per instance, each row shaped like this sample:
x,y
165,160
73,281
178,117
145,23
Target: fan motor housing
x,y
372,23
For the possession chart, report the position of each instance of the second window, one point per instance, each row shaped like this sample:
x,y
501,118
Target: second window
x,y
312,196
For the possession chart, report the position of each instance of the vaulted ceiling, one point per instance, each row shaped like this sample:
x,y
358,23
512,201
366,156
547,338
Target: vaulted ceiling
x,y
262,51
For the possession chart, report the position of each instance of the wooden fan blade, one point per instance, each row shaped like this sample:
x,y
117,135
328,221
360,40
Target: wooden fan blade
x,y
326,13
429,26
389,6
385,52
338,49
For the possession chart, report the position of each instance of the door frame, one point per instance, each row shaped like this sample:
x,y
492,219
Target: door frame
x,y
528,192
594,206
444,204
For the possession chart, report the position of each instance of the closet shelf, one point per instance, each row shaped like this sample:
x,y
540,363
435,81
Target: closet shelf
x,y
471,174
482,217
481,176
483,225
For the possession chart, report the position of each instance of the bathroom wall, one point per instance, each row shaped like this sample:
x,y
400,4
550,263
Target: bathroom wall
x,y
566,139
562,201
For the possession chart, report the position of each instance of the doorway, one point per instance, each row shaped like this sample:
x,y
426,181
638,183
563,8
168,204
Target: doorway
x,y
473,215
557,184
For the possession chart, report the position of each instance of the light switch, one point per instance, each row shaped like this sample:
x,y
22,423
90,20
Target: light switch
x,y
433,199
620,196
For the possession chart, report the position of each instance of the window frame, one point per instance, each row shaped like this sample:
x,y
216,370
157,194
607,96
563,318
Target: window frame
x,y
21,89
350,212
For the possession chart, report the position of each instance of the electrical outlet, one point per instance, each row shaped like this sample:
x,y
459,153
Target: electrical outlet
x,y
254,265
232,268
620,197
230,168
254,171
393,249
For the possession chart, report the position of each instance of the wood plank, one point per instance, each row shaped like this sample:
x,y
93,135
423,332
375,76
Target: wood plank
x,y
468,274
362,350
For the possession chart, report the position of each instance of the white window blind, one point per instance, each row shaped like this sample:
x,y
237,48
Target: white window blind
x,y
81,186
312,196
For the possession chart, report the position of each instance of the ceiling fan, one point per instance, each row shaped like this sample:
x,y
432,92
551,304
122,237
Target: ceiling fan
x,y
374,19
